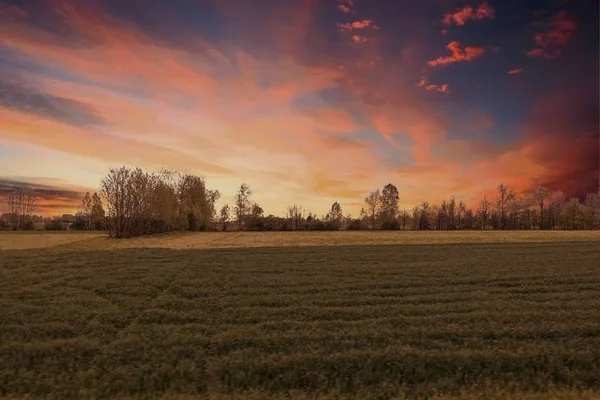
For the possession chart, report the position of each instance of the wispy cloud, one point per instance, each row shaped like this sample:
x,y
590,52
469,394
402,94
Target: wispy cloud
x,y
51,197
559,30
19,97
515,71
468,13
458,54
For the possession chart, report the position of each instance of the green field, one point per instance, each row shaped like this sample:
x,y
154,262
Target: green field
x,y
470,320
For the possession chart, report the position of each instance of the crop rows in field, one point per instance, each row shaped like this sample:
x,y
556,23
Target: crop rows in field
x,y
373,321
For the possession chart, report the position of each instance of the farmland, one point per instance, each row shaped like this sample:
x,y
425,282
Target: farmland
x,y
331,315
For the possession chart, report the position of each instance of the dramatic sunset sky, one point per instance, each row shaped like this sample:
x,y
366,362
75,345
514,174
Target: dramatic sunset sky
x,y
307,101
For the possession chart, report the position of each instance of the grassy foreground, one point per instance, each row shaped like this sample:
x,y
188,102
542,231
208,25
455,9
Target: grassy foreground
x,y
485,320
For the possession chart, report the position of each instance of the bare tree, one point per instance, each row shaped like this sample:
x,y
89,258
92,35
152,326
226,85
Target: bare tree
x,y
540,195
97,215
556,203
242,204
294,213
424,216
21,204
505,196
86,210
462,210
451,212
404,218
592,210
573,211
373,201
225,215
140,202
335,215
484,211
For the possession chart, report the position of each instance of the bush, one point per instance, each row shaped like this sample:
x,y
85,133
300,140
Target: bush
x,y
80,224
392,225
54,225
3,225
29,225
354,225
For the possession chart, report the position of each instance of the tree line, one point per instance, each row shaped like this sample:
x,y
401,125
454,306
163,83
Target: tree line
x,y
133,202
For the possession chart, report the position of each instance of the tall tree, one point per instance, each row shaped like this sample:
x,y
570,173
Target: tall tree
x,y
462,209
86,210
452,212
335,215
224,216
97,213
556,203
373,201
424,216
484,211
541,195
573,210
389,206
505,196
242,204
21,204
592,210
295,216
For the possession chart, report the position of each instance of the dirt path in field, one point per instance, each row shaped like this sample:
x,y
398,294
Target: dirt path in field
x,y
210,240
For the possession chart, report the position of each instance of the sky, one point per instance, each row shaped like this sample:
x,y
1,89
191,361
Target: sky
x,y
307,101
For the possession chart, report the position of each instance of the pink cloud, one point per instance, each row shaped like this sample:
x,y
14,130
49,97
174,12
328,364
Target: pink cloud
x,y
345,6
462,15
458,54
559,31
359,39
515,71
433,88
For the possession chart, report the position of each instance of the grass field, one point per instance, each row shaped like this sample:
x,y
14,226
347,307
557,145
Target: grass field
x,y
169,317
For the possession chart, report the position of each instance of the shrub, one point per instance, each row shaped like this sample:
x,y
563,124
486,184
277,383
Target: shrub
x,y
354,225
54,225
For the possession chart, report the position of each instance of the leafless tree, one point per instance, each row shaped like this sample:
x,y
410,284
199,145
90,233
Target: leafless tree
x,y
294,214
21,204
373,201
592,210
85,210
541,195
225,216
242,204
505,196
484,211
573,211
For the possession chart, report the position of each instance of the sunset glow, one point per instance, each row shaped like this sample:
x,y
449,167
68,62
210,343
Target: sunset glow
x,y
309,102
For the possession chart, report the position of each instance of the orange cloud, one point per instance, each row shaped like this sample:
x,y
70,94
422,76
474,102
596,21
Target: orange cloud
x,y
465,14
359,39
365,23
433,88
467,54
515,71
559,31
